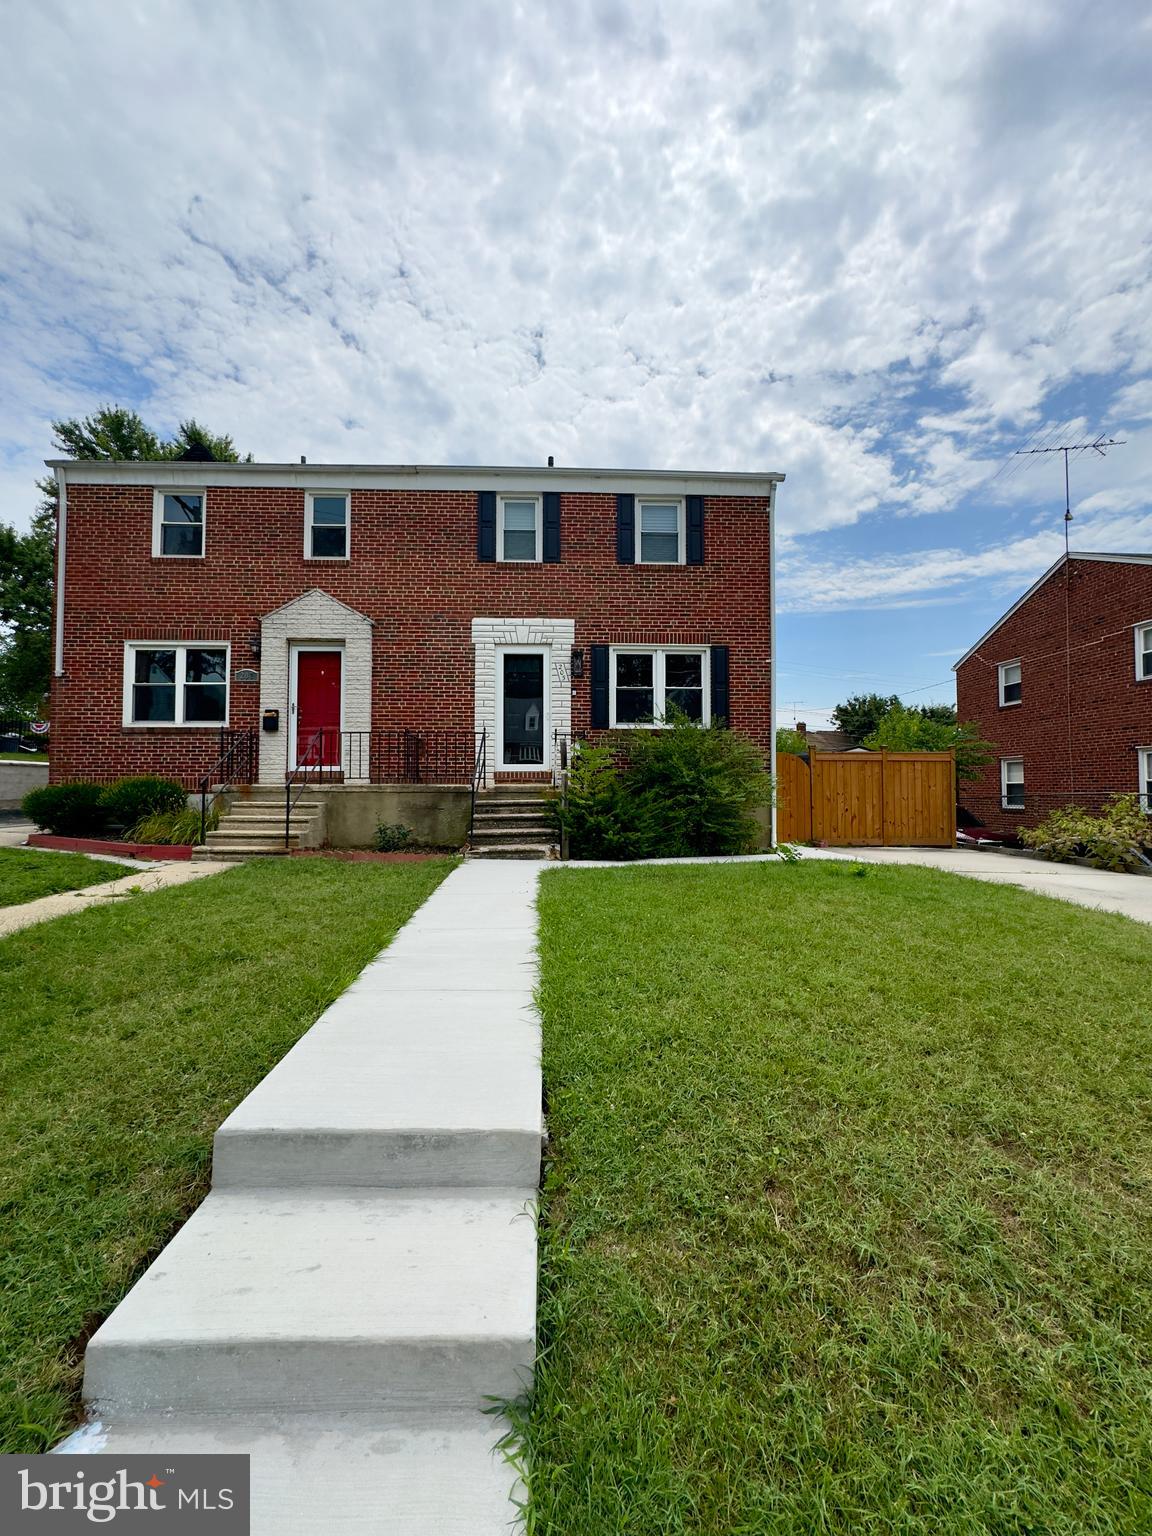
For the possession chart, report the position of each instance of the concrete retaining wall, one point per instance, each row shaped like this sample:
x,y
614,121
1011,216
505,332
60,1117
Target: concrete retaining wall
x,y
16,779
437,815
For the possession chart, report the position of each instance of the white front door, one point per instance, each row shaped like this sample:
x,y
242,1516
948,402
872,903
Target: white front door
x,y
523,712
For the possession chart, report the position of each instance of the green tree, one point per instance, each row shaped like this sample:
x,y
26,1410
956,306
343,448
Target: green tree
x,y
26,571
788,740
909,730
859,716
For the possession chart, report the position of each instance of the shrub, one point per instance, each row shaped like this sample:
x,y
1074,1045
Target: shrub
x,y
68,810
910,730
788,740
128,801
1109,840
391,836
177,828
687,789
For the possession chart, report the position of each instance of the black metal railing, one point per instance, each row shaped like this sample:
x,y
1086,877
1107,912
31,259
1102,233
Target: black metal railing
x,y
479,774
403,756
236,764
318,761
21,733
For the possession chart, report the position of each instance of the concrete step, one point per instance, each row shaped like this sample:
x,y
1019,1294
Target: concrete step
x,y
533,832
322,1301
511,815
222,853
421,1474
531,797
512,851
402,1088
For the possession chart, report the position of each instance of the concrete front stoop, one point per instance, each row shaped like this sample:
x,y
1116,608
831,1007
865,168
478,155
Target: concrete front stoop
x,y
512,821
360,1284
252,826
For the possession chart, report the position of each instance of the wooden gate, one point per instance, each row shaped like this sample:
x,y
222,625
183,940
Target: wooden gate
x,y
867,799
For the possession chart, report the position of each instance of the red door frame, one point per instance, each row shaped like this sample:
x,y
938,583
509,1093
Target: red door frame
x,y
317,703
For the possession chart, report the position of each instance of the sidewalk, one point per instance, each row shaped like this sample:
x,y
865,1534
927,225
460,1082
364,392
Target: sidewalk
x,y
360,1283
1130,895
149,877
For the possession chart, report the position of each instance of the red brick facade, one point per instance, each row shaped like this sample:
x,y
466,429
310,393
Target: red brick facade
x,y
1084,715
413,570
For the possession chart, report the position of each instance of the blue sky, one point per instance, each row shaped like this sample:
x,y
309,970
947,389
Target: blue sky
x,y
875,247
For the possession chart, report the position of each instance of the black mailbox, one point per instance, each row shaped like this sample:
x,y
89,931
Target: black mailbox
x,y
271,719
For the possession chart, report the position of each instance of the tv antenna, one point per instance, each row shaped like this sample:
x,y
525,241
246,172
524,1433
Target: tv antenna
x,y
1100,445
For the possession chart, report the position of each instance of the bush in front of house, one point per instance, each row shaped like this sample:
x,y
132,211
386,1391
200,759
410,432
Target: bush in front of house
x,y
1111,840
391,836
68,810
175,828
683,790
127,801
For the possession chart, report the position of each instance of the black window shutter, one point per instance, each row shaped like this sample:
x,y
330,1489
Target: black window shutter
x,y
599,688
695,530
625,530
486,525
720,706
552,527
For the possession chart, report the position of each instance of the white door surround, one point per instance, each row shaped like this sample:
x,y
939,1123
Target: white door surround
x,y
491,637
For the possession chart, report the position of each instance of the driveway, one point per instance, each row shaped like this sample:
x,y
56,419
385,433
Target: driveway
x,y
1128,894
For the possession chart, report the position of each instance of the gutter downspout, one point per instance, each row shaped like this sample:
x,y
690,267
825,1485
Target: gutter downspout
x,y
772,651
61,554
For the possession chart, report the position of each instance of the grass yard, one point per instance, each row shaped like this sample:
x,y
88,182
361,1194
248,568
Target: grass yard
x,y
848,1222
127,1035
26,875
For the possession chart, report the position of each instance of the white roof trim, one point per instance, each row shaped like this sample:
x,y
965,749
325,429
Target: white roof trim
x,y
428,477
1035,587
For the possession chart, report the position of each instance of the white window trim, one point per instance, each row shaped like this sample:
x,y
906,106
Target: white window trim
x,y
181,647
1144,771
658,652
1004,802
537,503
309,499
158,496
1010,703
1140,631
681,532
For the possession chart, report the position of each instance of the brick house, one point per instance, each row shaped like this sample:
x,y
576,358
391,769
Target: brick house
x,y
379,620
1062,685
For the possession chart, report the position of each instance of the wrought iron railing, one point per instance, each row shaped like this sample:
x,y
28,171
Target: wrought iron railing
x,y
20,733
236,764
311,768
479,775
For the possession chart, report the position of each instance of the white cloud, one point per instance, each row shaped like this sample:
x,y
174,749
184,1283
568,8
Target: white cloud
x,y
744,235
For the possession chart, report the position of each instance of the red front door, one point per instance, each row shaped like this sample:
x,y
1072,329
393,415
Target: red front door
x,y
318,708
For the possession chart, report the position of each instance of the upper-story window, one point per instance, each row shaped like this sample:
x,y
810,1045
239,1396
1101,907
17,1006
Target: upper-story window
x,y
1143,651
1010,682
518,530
1012,783
175,684
659,532
178,524
647,683
326,525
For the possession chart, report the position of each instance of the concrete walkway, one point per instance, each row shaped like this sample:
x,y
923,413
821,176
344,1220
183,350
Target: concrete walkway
x,y
1096,888
148,877
361,1281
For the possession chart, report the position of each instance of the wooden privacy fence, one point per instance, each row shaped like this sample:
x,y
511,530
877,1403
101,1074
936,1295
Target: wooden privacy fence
x,y
867,799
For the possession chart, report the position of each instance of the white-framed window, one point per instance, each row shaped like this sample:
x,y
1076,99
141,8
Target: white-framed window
x,y
1011,680
327,533
178,524
518,529
646,681
659,531
1012,783
1144,651
170,684
1144,755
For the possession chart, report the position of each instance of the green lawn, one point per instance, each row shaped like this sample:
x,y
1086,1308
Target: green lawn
x,y
848,1223
26,874
23,757
127,1035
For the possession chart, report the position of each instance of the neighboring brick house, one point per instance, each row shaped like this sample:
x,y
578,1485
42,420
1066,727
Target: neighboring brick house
x,y
1062,685
350,604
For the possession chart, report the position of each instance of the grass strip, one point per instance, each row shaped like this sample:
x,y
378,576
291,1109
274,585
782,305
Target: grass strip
x,y
127,1035
847,1224
26,875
